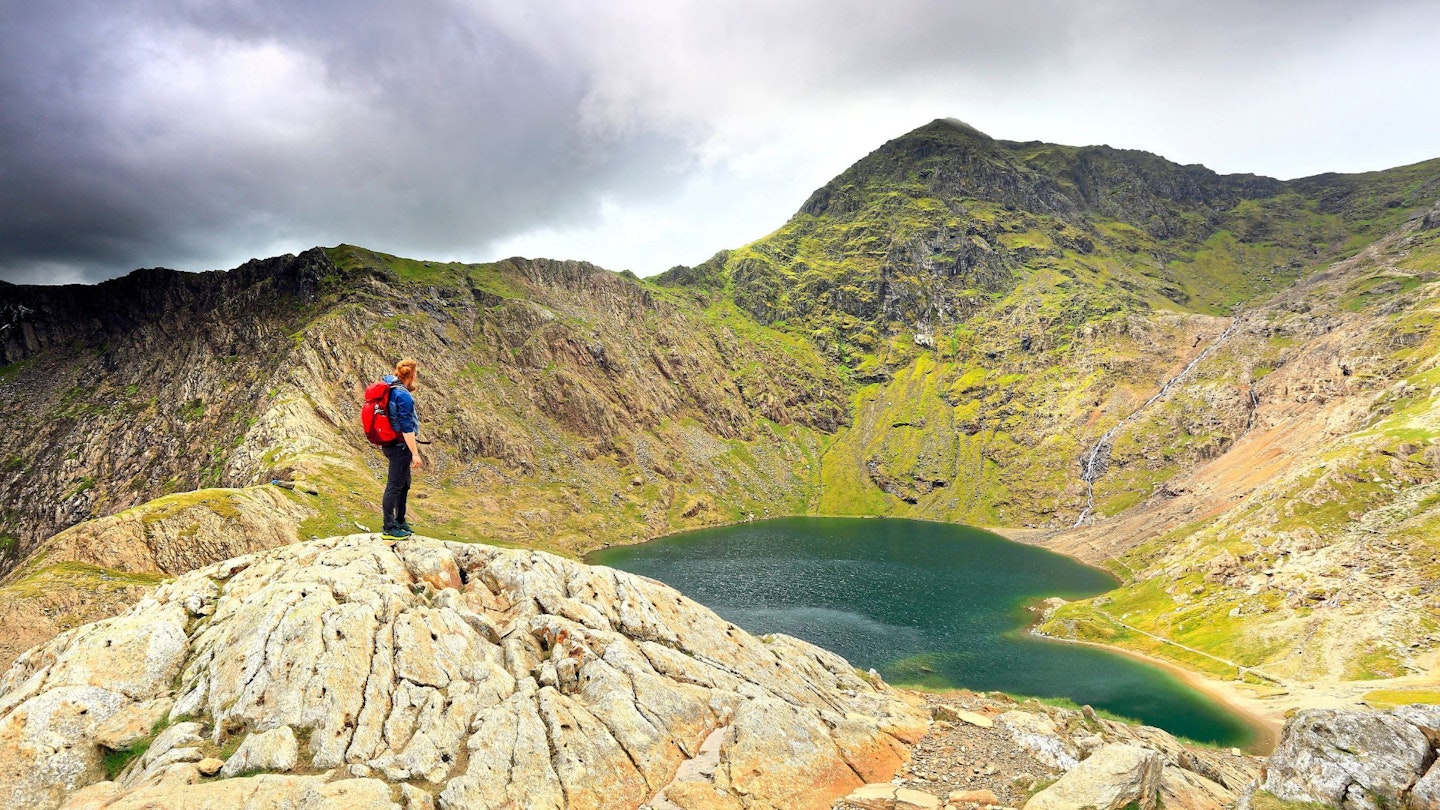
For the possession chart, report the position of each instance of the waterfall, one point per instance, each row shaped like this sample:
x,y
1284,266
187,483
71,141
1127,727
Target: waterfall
x,y
1098,458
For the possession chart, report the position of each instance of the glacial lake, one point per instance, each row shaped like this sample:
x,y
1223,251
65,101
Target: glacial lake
x,y
929,604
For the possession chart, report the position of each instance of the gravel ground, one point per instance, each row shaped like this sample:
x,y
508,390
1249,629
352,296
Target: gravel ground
x,y
958,756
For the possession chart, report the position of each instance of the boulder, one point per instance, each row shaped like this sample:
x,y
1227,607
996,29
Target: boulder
x,y
179,744
1181,789
499,677
209,766
1113,777
950,714
1425,795
274,750
1350,759
416,799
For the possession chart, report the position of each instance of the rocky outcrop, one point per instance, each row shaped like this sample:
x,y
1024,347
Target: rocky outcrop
x,y
471,675
1358,760
1111,764
1113,777
1432,219
179,533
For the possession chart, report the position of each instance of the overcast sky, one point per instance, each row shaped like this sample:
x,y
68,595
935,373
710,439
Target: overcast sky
x,y
196,134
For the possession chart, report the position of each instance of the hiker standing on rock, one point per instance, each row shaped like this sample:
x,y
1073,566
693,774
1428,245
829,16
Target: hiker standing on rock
x,y
404,455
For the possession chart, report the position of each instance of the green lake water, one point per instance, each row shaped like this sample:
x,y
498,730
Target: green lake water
x,y
931,604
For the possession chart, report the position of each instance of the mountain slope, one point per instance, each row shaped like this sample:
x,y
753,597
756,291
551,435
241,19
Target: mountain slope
x,y
1002,305
935,225
580,401
947,330
1305,546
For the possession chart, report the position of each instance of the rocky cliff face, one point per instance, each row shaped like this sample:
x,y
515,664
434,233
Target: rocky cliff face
x,y
118,393
576,402
1354,760
356,673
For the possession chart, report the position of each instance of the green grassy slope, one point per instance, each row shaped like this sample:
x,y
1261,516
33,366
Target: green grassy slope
x,y
1309,548
943,331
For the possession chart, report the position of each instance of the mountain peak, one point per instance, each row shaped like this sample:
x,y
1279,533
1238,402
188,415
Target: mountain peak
x,y
947,131
958,125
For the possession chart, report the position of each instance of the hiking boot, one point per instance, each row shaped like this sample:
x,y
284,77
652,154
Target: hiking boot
x,y
405,524
397,533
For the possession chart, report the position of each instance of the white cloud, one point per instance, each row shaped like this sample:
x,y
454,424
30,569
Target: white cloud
x,y
633,134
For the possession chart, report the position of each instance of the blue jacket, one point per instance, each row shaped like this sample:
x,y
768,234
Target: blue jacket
x,y
402,407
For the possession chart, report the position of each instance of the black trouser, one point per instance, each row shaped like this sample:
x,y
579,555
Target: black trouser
x,y
397,484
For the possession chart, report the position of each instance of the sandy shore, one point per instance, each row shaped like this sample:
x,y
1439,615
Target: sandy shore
x,y
1261,714
1265,708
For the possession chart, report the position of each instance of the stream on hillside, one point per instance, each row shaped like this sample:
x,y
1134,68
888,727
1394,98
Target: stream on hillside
x,y
926,604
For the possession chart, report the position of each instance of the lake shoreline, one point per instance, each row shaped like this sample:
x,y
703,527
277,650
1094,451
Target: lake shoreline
x,y
1266,720
1262,709
1266,708
909,552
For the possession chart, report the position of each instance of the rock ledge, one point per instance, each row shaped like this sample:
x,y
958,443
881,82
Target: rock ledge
x,y
469,676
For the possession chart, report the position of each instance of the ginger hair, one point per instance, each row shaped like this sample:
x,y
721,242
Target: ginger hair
x,y
405,373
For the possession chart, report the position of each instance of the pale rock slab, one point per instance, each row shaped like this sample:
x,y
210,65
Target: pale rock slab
x,y
1038,734
263,792
875,796
500,677
1113,777
132,723
885,796
1183,790
698,796
1343,758
47,746
274,750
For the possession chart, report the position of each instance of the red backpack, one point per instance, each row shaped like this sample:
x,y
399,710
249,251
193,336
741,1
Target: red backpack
x,y
375,414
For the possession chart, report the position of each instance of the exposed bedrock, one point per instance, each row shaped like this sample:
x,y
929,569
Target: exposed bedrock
x,y
352,673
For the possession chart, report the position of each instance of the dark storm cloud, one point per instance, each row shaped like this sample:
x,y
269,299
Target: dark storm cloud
x,y
196,133
179,132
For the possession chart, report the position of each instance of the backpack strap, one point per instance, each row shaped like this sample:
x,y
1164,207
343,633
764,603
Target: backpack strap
x,y
390,391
